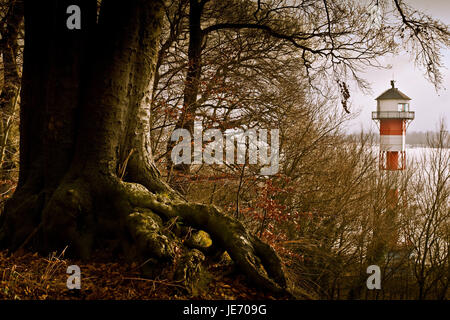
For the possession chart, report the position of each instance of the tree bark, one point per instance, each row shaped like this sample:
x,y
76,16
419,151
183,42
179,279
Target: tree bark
x,y
9,96
87,178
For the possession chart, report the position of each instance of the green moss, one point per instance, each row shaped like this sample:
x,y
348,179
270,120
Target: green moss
x,y
145,228
164,196
199,239
141,223
148,214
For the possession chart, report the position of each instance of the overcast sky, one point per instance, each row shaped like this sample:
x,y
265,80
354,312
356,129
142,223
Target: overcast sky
x,y
428,104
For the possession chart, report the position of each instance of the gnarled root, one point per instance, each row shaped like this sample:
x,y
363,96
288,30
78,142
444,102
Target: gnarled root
x,y
255,258
101,211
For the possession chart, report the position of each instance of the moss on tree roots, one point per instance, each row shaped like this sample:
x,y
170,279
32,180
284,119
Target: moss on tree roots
x,y
100,211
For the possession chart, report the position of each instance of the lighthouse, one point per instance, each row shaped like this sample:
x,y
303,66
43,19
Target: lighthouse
x,y
394,115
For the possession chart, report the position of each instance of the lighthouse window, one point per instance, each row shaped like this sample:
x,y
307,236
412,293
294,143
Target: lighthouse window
x,y
403,107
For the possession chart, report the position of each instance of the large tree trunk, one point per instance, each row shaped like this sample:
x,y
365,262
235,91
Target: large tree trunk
x,y
87,178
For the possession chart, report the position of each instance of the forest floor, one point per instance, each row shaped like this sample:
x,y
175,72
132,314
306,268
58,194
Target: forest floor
x,y
31,276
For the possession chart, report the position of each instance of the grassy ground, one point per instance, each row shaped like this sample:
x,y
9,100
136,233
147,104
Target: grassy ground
x,y
30,276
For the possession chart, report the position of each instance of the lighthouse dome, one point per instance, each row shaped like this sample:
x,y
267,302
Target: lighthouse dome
x,y
393,104
393,94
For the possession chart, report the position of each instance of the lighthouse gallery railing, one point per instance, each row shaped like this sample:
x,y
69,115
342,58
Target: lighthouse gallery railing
x,y
377,115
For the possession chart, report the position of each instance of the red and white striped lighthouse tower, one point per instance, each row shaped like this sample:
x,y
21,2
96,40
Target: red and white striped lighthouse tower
x,y
394,115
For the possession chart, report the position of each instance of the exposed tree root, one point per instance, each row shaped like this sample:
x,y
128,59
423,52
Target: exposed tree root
x,y
104,212
22,220
255,258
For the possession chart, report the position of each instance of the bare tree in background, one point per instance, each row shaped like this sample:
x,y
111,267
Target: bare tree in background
x,y
426,224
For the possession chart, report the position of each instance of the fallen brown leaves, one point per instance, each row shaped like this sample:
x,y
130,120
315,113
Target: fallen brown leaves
x,y
26,276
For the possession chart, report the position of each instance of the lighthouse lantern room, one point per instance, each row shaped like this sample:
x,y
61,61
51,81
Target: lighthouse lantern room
x,y
394,114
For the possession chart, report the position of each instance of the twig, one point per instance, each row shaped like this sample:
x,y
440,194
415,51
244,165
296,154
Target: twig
x,y
155,281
